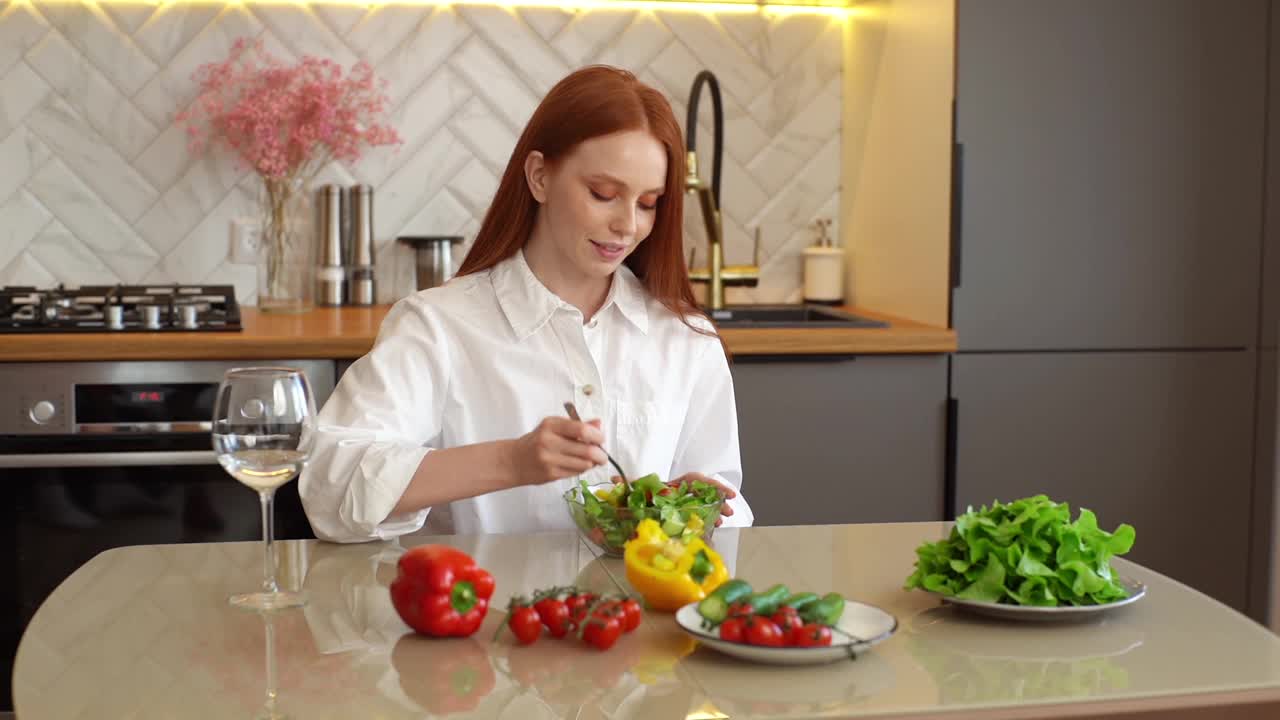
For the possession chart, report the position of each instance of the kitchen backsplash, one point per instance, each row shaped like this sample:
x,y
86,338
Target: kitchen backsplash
x,y
97,186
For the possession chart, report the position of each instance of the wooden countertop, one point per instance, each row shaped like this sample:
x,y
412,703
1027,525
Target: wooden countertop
x,y
348,333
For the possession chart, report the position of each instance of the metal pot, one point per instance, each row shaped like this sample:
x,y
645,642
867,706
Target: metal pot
x,y
434,257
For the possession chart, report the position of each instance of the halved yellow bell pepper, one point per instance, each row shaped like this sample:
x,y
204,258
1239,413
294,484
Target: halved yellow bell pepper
x,y
668,573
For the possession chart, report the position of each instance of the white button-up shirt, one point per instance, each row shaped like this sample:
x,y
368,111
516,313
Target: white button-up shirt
x,y
486,357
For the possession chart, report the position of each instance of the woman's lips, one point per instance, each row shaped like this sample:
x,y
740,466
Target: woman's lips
x,y
609,251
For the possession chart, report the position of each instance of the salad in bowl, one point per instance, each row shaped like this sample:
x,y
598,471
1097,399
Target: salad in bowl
x,y
607,513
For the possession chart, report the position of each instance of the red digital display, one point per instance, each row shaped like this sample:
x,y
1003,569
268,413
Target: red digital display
x,y
146,396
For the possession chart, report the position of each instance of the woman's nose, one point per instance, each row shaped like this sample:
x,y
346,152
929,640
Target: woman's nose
x,y
624,221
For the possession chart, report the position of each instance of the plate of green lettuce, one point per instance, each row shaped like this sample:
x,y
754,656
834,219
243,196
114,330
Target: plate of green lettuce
x,y
1027,560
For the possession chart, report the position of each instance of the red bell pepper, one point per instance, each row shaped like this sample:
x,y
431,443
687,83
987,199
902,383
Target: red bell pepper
x,y
440,591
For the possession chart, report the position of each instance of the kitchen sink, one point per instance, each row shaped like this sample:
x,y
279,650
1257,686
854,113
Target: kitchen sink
x,y
790,316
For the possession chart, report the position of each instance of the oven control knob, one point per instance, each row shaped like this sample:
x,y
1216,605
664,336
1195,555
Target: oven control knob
x,y
42,412
151,317
187,317
115,317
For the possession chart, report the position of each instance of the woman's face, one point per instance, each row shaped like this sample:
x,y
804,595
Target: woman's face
x,y
600,200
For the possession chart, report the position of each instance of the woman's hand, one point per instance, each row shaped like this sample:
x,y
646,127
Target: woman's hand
x,y
687,478
729,492
557,448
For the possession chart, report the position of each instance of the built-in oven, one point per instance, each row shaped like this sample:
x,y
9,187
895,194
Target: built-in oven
x,y
107,454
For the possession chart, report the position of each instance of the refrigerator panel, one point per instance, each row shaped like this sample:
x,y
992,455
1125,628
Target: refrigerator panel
x,y
1270,321
1113,157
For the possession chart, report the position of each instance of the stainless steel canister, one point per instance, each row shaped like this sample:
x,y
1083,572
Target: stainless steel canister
x,y
331,279
360,260
434,257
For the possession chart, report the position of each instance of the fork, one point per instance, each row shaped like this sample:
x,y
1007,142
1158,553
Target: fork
x,y
573,413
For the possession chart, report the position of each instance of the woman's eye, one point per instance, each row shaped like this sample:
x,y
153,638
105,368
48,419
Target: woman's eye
x,y
649,208
600,197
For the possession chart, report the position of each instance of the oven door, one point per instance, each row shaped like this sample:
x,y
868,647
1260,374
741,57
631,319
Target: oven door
x,y
68,499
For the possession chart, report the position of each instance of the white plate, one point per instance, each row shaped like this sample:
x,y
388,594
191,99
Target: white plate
x,y
869,624
1047,614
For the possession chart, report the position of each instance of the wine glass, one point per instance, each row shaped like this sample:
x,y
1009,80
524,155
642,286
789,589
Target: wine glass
x,y
262,423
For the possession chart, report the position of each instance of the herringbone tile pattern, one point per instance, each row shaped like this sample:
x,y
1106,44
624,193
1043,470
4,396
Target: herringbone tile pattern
x,y
96,184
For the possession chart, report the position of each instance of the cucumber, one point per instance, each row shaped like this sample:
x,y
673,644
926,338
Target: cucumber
x,y
826,611
673,527
800,600
764,603
715,607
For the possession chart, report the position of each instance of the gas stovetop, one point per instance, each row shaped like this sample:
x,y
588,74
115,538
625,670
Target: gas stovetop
x,y
119,308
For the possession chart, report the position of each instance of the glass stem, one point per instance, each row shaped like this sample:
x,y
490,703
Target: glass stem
x,y
268,543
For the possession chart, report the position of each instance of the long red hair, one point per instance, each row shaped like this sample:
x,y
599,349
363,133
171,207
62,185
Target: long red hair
x,y
591,102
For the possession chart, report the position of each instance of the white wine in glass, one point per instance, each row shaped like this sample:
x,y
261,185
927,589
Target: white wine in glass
x,y
262,422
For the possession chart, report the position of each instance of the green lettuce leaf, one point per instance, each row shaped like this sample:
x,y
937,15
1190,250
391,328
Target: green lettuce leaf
x,y
1027,552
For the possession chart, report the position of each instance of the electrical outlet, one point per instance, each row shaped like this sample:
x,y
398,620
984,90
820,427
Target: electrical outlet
x,y
246,234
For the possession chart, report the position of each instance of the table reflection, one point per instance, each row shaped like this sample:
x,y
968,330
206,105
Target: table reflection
x,y
351,616
739,688
271,706
974,659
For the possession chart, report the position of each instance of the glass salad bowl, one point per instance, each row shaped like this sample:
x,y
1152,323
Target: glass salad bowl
x,y
607,515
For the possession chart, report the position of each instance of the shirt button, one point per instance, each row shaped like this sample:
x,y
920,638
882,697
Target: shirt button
x,y
593,324
588,389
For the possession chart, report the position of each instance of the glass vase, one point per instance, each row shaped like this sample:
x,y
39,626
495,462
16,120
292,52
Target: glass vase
x,y
286,262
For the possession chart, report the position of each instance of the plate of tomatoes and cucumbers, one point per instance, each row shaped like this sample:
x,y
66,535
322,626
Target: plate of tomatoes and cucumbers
x,y
781,627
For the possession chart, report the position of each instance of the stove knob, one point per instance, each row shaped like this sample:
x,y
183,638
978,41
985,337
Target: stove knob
x,y
187,317
151,317
115,317
42,412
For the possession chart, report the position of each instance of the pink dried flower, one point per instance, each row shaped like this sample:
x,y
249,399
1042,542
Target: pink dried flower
x,y
283,120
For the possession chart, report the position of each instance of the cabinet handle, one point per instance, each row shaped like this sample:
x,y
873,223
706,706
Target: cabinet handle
x,y
949,469
109,459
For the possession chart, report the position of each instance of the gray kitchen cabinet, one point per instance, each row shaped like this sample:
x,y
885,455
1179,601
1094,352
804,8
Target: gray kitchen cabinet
x,y
842,440
342,366
1161,441
1264,586
1110,173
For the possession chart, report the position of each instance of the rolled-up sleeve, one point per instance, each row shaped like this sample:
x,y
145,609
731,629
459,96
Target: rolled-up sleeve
x,y
709,437
384,416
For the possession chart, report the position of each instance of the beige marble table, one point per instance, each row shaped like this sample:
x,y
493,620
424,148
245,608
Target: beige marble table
x,y
145,632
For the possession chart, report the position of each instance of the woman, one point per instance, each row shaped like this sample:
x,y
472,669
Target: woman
x,y
573,291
